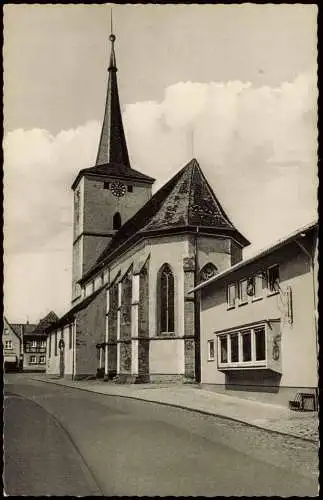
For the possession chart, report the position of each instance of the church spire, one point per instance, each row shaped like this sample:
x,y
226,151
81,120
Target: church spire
x,y
112,146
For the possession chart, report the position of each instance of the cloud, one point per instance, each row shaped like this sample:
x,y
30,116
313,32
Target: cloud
x,y
256,145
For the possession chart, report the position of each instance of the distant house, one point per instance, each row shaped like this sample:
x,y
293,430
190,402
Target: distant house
x,y
259,322
33,337
12,347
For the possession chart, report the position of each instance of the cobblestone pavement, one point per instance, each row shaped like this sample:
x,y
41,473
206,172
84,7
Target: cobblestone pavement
x,y
267,416
304,425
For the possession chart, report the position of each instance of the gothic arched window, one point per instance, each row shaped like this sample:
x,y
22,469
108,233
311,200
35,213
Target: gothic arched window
x,y
117,220
166,299
208,271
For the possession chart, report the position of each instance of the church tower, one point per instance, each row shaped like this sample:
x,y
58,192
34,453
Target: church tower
x,y
108,194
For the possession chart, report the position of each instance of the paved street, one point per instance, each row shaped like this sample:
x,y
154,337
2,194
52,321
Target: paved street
x,y
62,440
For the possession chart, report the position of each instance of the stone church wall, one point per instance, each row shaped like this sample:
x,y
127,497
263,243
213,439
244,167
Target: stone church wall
x,y
216,251
90,327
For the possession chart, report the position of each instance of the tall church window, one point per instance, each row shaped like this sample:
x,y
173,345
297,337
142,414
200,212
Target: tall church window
x,y
117,220
166,299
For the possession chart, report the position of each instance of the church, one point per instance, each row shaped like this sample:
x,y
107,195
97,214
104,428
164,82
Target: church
x,y
136,257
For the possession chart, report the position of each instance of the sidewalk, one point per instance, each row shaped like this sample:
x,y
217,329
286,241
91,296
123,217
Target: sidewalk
x,y
271,417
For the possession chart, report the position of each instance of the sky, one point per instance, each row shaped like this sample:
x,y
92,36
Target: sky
x,y
231,85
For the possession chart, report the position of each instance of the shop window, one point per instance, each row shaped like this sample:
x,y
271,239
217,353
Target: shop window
x,y
211,350
246,346
260,343
224,349
166,299
234,348
273,279
231,295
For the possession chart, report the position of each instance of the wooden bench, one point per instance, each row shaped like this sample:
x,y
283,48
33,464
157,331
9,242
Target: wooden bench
x,y
303,401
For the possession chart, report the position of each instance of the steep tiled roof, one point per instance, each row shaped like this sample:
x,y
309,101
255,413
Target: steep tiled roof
x,y
34,329
185,202
26,328
191,203
45,322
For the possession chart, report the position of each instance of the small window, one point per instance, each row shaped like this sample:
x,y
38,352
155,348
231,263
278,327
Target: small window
x,y
235,348
34,344
243,296
117,220
231,295
6,331
224,349
273,279
130,189
32,360
260,343
8,344
258,287
42,360
70,331
106,185
211,350
246,346
43,344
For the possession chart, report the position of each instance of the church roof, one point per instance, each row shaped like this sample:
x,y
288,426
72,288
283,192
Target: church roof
x,y
112,157
112,146
186,202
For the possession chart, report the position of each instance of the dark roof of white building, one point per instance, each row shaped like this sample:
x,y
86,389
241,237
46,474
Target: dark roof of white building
x,y
275,246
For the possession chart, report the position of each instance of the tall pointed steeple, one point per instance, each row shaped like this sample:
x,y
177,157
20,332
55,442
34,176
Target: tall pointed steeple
x,y
112,146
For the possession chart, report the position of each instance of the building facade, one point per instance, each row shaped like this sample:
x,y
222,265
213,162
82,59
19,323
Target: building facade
x,y
259,322
12,347
33,340
35,343
135,258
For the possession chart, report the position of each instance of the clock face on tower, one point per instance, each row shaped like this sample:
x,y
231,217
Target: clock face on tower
x,y
118,189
